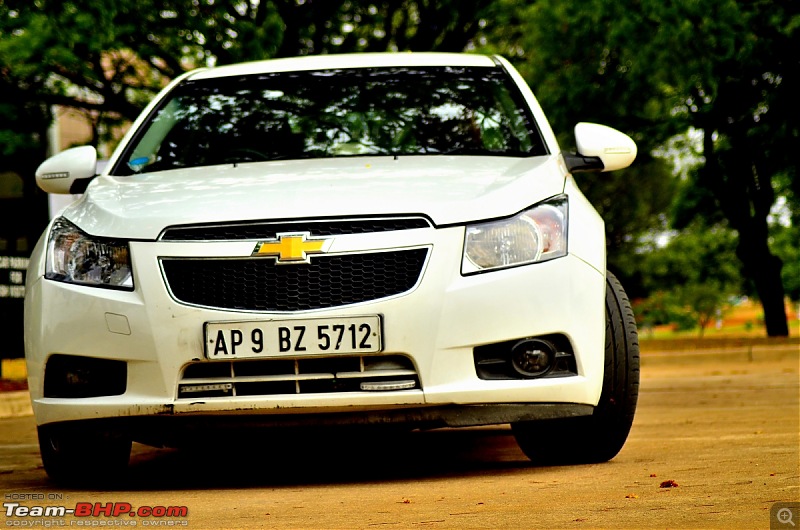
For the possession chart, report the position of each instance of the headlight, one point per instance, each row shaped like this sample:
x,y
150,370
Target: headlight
x,y
75,257
538,234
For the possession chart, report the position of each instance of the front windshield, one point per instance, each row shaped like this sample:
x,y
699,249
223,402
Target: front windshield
x,y
335,113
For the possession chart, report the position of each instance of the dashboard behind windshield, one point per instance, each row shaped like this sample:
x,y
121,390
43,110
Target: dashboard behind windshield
x,y
335,113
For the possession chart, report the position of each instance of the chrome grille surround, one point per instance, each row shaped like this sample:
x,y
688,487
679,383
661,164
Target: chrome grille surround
x,y
270,229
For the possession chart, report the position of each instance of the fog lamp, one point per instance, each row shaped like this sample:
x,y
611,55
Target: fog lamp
x,y
532,357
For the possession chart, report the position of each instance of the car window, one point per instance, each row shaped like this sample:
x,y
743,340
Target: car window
x,y
335,113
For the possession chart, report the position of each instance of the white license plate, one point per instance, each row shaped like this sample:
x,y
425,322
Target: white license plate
x,y
272,338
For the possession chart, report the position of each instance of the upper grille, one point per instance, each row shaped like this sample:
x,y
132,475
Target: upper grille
x,y
259,284
270,230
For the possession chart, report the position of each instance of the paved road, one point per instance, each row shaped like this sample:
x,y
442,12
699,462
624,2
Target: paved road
x,y
723,431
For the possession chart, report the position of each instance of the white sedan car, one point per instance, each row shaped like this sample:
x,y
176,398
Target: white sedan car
x,y
326,241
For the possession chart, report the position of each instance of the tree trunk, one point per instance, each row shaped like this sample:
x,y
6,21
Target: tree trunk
x,y
764,270
745,197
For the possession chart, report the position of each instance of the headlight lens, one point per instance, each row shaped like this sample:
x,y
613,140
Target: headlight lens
x,y
537,234
75,257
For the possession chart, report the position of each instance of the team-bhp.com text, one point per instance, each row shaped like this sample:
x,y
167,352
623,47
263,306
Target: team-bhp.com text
x,y
94,514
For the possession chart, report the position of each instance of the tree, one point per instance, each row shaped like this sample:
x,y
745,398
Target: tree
x,y
694,275
110,56
738,81
727,68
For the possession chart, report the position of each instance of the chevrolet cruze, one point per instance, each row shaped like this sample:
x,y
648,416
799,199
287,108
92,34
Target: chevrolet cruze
x,y
341,240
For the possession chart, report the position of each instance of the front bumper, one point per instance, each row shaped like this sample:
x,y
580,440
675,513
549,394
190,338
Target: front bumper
x,y
437,325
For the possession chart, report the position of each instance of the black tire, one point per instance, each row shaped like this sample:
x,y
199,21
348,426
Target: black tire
x,y
78,456
599,437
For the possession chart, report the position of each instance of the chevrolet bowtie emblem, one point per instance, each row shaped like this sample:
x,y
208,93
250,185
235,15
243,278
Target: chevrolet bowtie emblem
x,y
292,248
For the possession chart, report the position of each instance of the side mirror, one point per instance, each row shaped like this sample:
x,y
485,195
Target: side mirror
x,y
600,148
59,173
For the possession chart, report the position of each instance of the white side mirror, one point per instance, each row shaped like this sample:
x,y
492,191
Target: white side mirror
x,y
615,149
59,172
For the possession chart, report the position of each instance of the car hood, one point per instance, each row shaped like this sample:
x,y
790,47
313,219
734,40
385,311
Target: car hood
x,y
446,189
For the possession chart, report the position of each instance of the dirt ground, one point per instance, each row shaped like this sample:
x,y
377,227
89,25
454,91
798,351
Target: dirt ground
x,y
715,444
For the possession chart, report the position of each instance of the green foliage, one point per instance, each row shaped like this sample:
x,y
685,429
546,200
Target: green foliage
x,y
687,307
110,56
577,57
703,301
692,278
785,242
663,308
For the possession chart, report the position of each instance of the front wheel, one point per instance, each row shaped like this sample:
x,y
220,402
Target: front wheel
x,y
599,437
75,456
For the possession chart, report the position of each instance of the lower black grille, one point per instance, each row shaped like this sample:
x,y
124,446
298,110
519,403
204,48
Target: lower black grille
x,y
320,375
259,284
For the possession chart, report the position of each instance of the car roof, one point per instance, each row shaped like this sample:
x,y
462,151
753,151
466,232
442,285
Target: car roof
x,y
351,60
